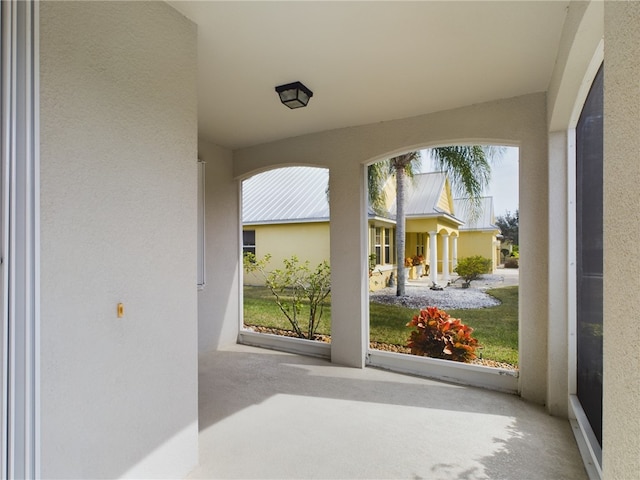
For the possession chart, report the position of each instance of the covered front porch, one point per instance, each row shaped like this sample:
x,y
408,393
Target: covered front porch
x,y
267,414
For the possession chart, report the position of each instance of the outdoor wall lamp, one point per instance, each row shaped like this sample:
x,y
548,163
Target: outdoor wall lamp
x,y
294,95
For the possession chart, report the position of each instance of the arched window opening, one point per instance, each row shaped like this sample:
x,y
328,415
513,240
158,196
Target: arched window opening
x,y
285,247
589,255
460,253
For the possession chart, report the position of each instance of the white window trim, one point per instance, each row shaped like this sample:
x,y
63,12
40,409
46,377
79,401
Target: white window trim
x,y
20,240
202,271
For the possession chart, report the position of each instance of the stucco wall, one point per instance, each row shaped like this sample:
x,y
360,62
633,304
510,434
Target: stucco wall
x,y
308,241
411,244
579,57
118,224
621,419
478,243
518,121
219,300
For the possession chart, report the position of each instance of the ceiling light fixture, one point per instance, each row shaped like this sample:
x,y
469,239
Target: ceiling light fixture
x,y
294,95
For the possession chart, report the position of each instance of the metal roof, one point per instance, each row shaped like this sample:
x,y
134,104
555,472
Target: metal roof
x,y
292,194
462,209
423,194
299,194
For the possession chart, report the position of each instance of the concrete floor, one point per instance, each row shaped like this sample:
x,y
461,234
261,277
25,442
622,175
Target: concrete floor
x,y
266,414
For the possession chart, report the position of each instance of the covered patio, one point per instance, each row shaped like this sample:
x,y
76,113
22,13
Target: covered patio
x,y
121,258
267,414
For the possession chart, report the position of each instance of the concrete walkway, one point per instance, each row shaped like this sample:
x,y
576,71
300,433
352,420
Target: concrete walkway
x,y
266,414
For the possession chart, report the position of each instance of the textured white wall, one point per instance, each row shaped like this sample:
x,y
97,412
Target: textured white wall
x,y
581,34
578,61
621,412
118,207
518,121
219,301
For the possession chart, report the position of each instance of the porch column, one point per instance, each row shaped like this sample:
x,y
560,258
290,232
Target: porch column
x,y
454,253
433,257
349,265
445,257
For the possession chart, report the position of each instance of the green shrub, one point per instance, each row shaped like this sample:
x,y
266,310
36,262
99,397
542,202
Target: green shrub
x,y
470,268
437,335
373,261
293,284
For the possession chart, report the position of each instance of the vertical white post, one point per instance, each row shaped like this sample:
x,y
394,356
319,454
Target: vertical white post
x,y
433,257
349,265
445,257
454,252
19,226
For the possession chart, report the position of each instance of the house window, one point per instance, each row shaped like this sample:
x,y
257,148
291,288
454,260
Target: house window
x,y
387,246
378,245
248,241
589,253
372,234
420,244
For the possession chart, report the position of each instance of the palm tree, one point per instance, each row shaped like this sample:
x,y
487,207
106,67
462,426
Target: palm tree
x,y
378,174
468,169
402,166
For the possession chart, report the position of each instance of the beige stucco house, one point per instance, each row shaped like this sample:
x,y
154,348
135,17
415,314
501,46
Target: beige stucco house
x,y
106,109
286,212
479,231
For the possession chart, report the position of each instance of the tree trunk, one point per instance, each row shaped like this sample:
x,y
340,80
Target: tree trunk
x,y
400,229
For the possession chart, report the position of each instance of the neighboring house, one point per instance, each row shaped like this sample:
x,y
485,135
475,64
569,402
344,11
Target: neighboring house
x,y
478,235
286,212
431,224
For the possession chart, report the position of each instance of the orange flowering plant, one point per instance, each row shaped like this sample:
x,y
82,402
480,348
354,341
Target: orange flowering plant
x,y
437,335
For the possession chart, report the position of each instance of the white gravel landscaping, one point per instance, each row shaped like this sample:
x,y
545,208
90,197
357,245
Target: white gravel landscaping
x,y
419,295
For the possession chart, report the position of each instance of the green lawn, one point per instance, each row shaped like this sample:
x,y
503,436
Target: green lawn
x,y
260,309
496,328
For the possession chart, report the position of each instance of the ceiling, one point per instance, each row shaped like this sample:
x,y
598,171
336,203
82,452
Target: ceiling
x,y
366,61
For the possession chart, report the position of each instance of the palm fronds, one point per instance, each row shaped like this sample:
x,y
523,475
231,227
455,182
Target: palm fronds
x,y
468,169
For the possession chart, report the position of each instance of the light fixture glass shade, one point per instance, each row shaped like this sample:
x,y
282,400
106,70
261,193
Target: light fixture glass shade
x,y
294,95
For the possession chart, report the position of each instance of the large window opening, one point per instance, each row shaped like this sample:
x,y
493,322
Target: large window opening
x,y
444,230
285,245
589,254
